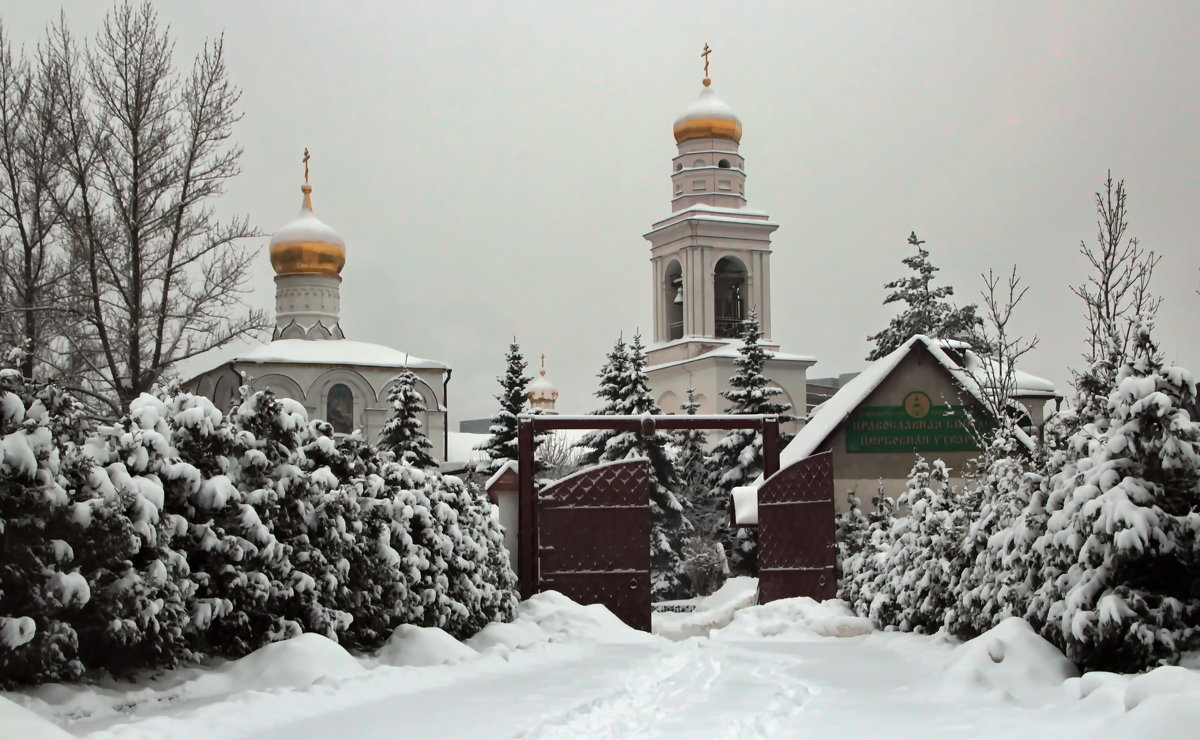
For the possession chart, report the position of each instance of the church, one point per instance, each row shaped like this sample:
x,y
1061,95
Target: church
x,y
309,359
711,265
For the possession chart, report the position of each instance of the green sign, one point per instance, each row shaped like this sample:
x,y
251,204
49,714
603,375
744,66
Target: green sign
x,y
916,426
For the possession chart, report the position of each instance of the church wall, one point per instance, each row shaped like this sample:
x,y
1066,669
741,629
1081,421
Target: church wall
x,y
310,385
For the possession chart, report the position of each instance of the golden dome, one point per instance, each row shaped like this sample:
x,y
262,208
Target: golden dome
x,y
307,245
708,118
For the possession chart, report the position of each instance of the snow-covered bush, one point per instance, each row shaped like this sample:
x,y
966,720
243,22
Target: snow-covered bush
x,y
180,531
88,578
704,564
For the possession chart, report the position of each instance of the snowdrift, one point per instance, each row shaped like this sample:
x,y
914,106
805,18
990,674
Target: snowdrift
x,y
18,723
1010,659
294,663
552,617
1162,703
707,613
411,645
797,619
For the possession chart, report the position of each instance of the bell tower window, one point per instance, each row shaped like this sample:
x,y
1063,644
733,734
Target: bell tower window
x,y
729,294
673,300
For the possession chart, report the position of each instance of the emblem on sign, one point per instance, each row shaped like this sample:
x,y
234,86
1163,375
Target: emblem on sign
x,y
917,405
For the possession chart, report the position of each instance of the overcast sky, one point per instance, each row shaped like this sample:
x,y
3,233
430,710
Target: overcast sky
x,y
492,166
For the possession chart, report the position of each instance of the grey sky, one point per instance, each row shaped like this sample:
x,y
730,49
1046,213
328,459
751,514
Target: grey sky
x,y
492,166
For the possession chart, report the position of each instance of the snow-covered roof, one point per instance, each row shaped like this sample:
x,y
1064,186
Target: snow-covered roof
x,y
725,215
843,403
707,105
335,352
496,476
729,351
460,446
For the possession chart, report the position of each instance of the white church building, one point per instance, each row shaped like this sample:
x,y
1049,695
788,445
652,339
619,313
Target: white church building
x,y
343,381
711,264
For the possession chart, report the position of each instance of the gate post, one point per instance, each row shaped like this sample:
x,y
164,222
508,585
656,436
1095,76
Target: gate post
x,y
770,433
527,510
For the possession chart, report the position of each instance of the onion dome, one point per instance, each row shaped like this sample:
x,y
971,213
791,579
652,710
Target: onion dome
x,y
708,117
307,245
541,389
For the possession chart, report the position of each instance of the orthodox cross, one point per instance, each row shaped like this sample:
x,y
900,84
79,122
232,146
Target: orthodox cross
x,y
705,54
543,363
305,161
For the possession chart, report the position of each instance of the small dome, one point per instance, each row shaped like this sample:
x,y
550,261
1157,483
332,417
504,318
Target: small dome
x,y
307,245
708,117
542,389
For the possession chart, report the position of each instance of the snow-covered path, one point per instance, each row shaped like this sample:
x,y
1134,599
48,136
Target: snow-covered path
x,y
789,669
698,688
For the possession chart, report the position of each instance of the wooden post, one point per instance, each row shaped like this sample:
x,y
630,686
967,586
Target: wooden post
x,y
527,509
770,433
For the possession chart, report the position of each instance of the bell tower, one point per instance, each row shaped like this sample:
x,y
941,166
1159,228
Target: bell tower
x,y
711,258
710,263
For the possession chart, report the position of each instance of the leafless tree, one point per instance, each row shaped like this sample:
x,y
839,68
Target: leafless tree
x,y
32,264
158,277
1116,295
997,371
558,455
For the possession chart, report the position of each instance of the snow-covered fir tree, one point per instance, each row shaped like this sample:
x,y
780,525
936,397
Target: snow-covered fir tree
x,y
148,608
737,459
915,589
690,455
926,309
993,583
501,446
43,531
1120,551
285,495
668,525
613,376
402,435
863,556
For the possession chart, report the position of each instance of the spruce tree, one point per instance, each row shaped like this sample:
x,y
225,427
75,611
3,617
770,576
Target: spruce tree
x,y
668,525
1118,590
917,579
501,447
402,435
927,310
690,455
737,459
613,376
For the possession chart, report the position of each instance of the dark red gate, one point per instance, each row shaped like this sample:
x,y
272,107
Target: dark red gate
x,y
594,539
797,553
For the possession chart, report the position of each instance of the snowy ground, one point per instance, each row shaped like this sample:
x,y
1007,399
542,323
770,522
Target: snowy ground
x,y
789,669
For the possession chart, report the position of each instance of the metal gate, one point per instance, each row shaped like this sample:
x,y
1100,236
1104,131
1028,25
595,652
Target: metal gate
x,y
593,534
797,553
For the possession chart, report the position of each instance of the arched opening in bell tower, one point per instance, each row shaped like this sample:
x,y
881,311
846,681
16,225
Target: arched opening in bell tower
x,y
729,294
673,300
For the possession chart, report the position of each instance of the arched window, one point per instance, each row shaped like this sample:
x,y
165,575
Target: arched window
x,y
339,409
698,163
678,166
729,293
673,300
723,164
